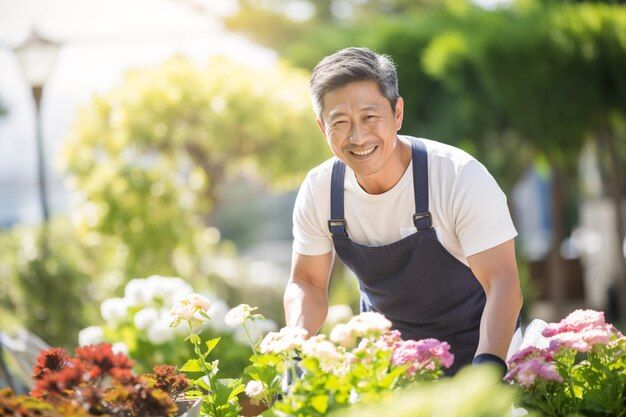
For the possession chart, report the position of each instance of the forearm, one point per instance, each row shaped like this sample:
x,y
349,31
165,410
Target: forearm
x,y
504,301
306,305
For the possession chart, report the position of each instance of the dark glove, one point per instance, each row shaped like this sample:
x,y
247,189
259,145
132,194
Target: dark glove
x,y
493,359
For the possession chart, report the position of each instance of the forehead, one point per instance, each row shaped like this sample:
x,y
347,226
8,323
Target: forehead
x,y
356,96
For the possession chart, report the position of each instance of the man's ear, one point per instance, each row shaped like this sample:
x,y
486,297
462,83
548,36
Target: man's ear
x,y
320,124
399,113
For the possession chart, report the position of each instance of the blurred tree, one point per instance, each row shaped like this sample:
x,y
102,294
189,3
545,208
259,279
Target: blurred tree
x,y
148,161
270,23
552,74
53,296
149,157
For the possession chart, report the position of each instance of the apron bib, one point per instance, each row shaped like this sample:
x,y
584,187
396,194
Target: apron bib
x,y
415,282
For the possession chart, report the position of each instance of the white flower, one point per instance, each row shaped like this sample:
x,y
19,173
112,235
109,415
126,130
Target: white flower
x,y
320,348
255,391
114,310
256,329
187,307
91,335
338,313
159,333
342,334
368,323
145,317
288,339
120,347
217,312
166,289
238,315
135,292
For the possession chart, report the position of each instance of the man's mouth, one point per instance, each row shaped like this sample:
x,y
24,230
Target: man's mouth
x,y
363,152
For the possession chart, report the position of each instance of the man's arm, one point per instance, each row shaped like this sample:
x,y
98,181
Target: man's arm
x,y
306,295
496,269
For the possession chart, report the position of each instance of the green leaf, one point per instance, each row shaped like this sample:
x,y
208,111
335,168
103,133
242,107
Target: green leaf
x,y
192,365
210,344
320,403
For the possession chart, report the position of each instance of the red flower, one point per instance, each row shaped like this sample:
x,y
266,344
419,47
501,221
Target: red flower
x,y
57,383
100,360
52,360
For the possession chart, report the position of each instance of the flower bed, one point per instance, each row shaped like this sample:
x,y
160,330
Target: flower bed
x,y
577,367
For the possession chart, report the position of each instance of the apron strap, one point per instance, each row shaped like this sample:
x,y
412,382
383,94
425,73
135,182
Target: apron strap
x,y
337,222
422,219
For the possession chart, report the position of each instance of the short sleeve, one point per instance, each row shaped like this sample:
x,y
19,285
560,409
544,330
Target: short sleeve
x,y
482,217
309,237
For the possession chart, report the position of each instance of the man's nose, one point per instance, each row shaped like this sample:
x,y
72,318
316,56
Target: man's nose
x,y
358,133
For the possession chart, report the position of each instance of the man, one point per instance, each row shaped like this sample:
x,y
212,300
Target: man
x,y
423,225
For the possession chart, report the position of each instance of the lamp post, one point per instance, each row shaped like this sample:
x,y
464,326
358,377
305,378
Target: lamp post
x,y
36,57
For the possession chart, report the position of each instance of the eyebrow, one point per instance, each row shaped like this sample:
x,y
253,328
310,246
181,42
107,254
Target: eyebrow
x,y
338,113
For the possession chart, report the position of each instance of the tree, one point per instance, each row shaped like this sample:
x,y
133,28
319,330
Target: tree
x,y
149,158
553,74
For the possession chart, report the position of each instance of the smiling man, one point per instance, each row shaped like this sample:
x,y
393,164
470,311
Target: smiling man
x,y
423,225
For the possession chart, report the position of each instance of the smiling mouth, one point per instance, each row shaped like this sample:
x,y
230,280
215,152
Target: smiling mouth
x,y
363,152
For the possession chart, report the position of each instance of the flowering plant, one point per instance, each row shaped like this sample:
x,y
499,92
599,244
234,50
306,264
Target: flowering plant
x,y
138,324
96,381
219,395
362,361
581,368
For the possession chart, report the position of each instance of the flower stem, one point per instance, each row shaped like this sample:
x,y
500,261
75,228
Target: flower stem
x,y
249,338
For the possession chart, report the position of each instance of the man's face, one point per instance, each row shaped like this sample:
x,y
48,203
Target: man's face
x,y
360,127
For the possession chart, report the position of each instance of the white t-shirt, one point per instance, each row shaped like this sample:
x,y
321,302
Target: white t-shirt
x,y
468,208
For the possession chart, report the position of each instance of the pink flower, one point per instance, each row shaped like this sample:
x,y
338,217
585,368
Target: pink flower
x,y
388,340
530,351
576,321
581,330
528,372
424,354
531,363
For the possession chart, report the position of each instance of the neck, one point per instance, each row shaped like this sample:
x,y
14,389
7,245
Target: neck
x,y
390,174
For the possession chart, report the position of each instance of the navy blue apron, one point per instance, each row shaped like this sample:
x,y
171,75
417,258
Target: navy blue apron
x,y
415,282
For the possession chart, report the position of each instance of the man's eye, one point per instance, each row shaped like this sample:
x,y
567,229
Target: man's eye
x,y
370,117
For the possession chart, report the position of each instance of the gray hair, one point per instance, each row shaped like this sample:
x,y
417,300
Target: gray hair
x,y
350,65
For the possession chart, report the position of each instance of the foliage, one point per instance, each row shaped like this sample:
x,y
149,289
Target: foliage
x,y
580,368
219,395
472,392
96,381
32,266
362,362
139,324
149,157
316,376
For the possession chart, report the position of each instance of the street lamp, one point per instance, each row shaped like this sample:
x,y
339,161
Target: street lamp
x,y
36,57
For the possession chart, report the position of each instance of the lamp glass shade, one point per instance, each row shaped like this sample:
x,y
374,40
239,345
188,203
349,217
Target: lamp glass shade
x,y
36,57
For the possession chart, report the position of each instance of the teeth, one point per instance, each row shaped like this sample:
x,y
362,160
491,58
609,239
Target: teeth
x,y
364,152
